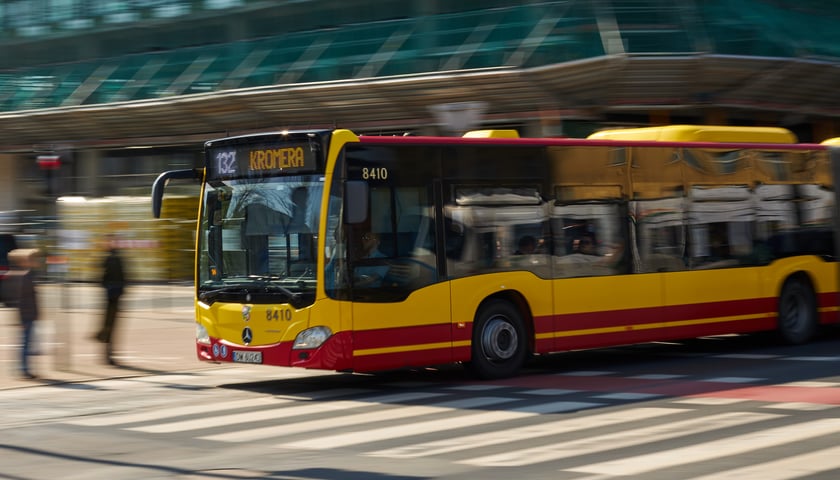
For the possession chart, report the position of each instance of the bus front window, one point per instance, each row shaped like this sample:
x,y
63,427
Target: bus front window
x,y
259,237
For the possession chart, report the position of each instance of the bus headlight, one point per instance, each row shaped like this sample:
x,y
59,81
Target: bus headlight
x,y
311,338
201,335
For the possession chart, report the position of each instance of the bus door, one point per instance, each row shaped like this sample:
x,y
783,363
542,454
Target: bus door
x,y
597,301
401,311
498,244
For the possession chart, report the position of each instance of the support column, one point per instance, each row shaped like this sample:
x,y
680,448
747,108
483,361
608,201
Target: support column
x,y
87,172
10,192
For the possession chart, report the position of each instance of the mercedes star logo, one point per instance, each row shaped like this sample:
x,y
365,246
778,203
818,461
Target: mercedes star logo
x,y
247,335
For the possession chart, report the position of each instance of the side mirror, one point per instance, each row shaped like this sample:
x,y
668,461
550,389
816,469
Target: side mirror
x,y
355,202
162,180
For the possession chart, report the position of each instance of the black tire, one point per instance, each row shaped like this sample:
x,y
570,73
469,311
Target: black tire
x,y
798,321
499,343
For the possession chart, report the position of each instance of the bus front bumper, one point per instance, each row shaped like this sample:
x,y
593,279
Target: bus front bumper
x,y
336,353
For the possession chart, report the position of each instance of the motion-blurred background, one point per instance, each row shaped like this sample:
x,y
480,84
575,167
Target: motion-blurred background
x,y
98,97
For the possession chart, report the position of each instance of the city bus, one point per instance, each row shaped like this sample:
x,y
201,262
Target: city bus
x,y
324,249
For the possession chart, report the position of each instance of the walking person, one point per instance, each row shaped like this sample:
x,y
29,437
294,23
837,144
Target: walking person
x,y
113,280
21,288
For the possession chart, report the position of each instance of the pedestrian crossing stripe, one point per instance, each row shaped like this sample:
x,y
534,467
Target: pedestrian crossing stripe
x,y
273,414
158,414
811,384
162,414
710,400
431,426
724,447
382,414
788,468
511,435
799,406
614,441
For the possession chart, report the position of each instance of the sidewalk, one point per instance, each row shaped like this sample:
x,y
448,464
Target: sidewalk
x,y
156,335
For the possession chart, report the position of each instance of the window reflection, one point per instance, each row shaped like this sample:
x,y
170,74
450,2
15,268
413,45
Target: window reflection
x,y
588,239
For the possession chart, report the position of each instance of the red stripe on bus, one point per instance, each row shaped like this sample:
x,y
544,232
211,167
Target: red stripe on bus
x,y
630,336
544,324
402,336
671,313
411,358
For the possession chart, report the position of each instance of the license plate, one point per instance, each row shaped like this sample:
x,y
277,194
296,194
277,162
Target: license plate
x,y
240,356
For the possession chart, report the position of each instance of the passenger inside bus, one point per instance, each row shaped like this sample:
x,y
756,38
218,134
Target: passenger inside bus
x,y
527,245
585,245
370,275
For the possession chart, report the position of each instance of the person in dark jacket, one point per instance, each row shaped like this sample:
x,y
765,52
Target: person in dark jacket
x,y
113,280
7,244
22,296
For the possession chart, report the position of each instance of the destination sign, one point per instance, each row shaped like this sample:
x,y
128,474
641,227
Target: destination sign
x,y
262,159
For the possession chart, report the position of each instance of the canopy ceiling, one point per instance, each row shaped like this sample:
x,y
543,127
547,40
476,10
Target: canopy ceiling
x,y
582,89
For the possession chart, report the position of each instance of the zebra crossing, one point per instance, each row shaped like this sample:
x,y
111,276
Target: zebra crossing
x,y
729,446
583,434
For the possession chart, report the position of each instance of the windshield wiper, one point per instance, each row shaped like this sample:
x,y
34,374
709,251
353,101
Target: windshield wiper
x,y
209,296
268,286
258,284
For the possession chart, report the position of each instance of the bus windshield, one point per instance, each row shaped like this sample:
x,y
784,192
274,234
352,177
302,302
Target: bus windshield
x,y
257,239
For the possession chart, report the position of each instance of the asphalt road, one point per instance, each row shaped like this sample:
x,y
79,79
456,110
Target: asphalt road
x,y
727,407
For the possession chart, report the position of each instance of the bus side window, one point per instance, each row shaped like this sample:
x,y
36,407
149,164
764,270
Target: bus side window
x,y
454,238
589,240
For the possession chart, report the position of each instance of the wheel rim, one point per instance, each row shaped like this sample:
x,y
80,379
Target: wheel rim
x,y
499,339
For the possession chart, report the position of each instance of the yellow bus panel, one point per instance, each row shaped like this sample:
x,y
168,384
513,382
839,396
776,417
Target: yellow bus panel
x,y
700,133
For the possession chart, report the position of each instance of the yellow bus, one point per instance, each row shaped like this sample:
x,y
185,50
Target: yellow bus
x,y
329,250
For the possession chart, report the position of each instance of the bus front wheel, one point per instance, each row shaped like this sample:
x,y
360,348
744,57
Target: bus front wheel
x,y
499,344
797,312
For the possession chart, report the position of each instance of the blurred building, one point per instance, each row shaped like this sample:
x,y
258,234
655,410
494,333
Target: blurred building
x,y
96,98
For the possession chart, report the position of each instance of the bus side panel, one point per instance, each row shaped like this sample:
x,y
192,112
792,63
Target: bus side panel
x,y
719,301
608,310
693,303
414,332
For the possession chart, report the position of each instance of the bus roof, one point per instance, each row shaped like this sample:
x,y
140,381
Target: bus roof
x,y
492,134
700,133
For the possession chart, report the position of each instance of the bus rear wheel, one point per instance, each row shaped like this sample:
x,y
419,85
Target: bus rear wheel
x,y
797,312
499,344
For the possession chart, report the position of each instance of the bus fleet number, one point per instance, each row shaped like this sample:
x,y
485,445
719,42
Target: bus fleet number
x,y
374,173
278,314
